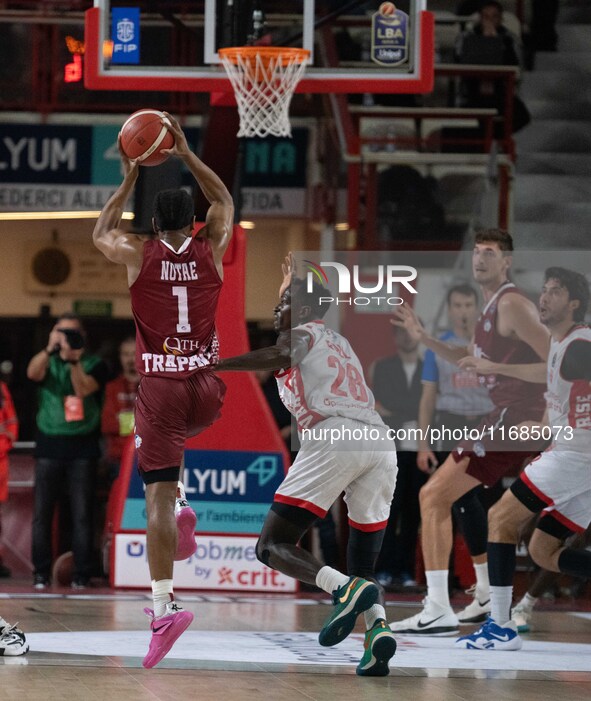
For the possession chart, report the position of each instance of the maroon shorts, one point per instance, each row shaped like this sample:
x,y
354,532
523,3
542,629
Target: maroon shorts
x,y
168,411
493,454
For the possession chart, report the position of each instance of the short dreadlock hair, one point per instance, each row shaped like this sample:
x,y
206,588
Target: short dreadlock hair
x,y
173,210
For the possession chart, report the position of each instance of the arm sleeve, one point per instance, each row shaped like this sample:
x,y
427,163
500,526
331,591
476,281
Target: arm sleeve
x,y
430,370
576,363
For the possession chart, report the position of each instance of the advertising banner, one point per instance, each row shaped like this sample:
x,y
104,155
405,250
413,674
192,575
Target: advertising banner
x,y
230,491
223,563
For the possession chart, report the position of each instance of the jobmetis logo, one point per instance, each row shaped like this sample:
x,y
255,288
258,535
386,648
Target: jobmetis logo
x,y
379,281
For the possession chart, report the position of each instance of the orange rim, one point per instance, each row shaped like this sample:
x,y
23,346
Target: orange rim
x,y
266,54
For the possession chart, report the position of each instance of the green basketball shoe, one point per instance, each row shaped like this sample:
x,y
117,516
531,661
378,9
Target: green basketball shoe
x,y
349,601
379,646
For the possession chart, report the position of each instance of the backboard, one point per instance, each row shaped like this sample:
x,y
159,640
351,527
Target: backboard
x,y
354,47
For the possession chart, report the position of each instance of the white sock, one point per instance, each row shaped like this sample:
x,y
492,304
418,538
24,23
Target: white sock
x,y
482,584
528,601
162,594
180,491
373,614
500,600
329,579
437,587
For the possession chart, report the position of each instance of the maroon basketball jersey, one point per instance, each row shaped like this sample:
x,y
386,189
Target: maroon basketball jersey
x,y
174,302
488,343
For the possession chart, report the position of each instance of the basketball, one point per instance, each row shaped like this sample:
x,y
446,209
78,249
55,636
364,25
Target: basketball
x,y
387,9
143,136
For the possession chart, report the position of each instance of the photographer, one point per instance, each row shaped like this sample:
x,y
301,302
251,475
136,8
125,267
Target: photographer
x,y
70,395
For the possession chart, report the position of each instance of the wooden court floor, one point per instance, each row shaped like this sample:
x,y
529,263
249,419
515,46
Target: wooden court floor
x,y
249,647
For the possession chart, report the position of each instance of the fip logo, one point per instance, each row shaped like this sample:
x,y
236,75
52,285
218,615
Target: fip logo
x,y
125,30
125,33
387,276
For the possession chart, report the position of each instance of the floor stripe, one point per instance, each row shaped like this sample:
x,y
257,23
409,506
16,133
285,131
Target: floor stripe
x,y
260,648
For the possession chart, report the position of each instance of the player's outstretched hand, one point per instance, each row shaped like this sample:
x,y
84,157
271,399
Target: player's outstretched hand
x,y
482,366
288,268
181,147
427,461
405,318
129,166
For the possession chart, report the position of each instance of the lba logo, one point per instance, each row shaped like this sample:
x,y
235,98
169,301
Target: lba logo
x,y
387,277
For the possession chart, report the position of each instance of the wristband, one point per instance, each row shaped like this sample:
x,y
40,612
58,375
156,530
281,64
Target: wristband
x,y
72,362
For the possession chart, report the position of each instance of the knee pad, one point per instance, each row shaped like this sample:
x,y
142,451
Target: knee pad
x,y
472,520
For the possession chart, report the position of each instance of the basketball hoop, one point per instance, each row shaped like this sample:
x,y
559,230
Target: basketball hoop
x,y
264,79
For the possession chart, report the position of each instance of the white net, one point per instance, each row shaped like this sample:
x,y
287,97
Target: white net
x,y
264,81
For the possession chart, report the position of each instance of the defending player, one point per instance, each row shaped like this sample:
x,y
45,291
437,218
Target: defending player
x,y
321,382
175,282
558,482
508,330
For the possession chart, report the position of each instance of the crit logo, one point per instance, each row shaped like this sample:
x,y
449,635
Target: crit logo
x,y
387,277
225,576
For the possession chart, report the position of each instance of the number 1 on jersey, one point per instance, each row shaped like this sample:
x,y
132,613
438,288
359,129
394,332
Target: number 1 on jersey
x,y
183,325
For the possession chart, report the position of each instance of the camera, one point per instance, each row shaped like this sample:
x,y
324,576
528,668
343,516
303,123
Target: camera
x,y
74,338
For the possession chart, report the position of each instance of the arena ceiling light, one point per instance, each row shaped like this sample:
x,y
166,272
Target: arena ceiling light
x,y
32,216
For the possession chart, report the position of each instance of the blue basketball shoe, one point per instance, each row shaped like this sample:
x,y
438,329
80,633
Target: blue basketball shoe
x,y
492,636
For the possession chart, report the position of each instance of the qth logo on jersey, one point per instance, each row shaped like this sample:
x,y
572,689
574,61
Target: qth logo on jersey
x,y
387,279
180,346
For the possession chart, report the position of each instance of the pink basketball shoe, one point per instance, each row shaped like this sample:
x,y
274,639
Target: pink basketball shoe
x,y
186,520
166,630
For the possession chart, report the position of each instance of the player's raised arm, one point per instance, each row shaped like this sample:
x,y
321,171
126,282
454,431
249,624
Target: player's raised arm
x,y
288,268
220,215
405,317
519,318
290,349
528,372
117,245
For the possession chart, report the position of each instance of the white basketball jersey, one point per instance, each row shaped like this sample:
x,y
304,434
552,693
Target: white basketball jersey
x,y
328,382
569,402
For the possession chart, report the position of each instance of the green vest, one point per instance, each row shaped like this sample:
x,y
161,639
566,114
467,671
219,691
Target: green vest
x,y
53,390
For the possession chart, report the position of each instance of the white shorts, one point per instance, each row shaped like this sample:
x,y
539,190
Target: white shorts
x,y
562,479
364,469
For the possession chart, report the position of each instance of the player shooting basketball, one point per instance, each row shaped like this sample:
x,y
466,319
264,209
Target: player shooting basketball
x,y
174,282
